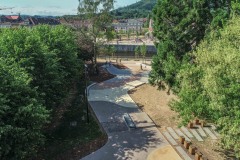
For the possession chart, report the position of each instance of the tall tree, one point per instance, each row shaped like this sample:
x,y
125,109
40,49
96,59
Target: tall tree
x,y
129,33
143,50
22,116
97,14
37,66
180,25
48,54
210,89
137,51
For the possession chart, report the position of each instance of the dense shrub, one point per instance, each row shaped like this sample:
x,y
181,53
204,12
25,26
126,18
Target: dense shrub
x,y
210,89
37,68
21,115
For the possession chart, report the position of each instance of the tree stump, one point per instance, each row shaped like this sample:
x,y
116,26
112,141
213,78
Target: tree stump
x,y
198,155
190,125
197,122
192,149
182,139
187,144
203,158
202,123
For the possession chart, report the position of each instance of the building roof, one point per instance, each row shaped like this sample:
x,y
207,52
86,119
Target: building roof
x,y
12,17
49,21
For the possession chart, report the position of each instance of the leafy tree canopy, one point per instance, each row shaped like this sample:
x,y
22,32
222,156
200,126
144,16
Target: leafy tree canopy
x,y
210,88
97,14
37,68
21,115
180,26
48,55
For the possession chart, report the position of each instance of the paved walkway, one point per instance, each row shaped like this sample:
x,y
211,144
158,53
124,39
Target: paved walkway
x,y
110,101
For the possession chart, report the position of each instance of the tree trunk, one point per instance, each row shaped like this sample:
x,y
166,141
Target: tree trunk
x,y
229,7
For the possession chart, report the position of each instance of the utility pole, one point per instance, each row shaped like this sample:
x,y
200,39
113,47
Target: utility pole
x,y
86,91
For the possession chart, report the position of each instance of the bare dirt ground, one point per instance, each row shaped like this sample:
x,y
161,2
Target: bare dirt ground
x,y
156,104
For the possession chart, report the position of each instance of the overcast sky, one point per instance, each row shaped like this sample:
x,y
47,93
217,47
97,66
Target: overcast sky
x,y
47,7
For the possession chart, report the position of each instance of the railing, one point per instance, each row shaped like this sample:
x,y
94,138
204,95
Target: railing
x,y
117,59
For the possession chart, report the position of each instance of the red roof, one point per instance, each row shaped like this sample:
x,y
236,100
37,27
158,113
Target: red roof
x,y
12,17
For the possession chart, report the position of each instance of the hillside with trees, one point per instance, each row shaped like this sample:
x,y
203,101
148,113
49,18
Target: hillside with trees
x,y
139,9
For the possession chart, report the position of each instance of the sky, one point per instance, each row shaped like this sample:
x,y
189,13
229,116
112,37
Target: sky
x,y
47,7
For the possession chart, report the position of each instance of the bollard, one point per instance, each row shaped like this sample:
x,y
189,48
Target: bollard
x,y
202,123
190,125
192,149
203,158
197,122
182,139
187,144
198,155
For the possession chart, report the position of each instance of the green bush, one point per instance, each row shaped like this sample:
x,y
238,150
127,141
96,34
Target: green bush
x,y
37,68
210,89
48,54
21,115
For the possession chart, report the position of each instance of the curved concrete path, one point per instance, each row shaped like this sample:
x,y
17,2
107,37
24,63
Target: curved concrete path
x,y
110,101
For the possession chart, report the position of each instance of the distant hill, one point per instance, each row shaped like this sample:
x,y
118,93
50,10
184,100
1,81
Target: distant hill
x,y
139,9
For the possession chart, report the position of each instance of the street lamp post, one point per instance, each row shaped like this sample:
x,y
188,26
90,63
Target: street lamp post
x,y
86,91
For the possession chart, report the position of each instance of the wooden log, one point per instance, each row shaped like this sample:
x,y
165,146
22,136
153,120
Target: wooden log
x,y
190,125
192,149
181,139
197,122
198,155
187,144
203,123
203,158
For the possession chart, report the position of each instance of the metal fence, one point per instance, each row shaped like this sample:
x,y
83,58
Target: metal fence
x,y
117,59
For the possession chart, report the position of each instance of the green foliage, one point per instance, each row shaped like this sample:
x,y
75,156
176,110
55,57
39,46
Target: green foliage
x,y
21,115
96,12
129,33
109,50
139,9
210,89
206,81
64,138
143,50
110,35
37,67
48,55
180,26
137,51
146,24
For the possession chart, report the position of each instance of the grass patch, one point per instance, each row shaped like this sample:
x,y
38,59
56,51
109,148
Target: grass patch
x,y
65,139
